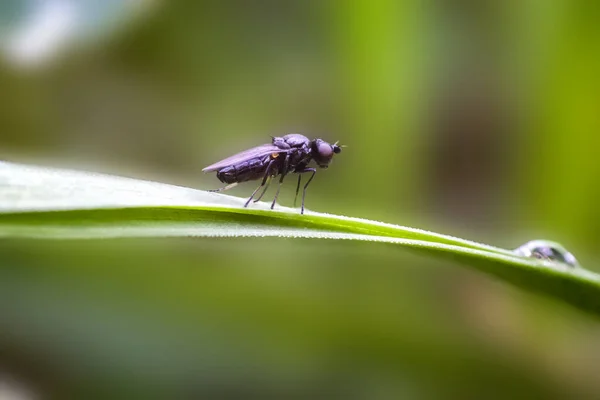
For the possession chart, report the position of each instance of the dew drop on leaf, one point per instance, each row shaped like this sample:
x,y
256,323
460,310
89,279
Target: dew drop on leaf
x,y
548,251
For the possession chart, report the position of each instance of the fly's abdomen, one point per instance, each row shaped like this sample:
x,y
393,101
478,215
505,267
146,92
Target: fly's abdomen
x,y
249,170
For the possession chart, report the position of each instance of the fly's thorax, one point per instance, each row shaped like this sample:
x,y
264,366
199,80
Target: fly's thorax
x,y
298,156
280,142
296,140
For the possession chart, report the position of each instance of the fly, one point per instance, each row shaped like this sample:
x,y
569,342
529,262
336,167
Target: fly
x,y
288,154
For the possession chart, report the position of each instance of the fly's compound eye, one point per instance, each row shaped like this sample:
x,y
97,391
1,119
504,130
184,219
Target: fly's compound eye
x,y
322,152
325,150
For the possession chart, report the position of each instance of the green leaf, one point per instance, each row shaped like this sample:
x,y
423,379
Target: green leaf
x,y
45,203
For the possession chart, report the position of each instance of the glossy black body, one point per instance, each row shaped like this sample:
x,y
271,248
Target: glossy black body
x,y
293,149
288,154
249,170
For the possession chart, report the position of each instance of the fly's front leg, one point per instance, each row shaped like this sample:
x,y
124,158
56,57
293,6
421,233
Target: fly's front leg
x,y
267,175
314,171
297,188
286,164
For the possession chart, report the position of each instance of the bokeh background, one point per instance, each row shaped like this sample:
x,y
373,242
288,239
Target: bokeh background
x,y
473,118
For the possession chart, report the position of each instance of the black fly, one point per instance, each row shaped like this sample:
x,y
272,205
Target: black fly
x,y
290,153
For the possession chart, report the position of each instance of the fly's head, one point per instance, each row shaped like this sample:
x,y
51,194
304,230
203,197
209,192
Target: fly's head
x,y
322,152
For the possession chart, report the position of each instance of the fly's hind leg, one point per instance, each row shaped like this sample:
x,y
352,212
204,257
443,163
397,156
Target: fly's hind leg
x,y
264,181
314,171
283,173
223,188
264,190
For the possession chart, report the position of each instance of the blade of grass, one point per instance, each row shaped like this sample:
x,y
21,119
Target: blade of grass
x,y
44,203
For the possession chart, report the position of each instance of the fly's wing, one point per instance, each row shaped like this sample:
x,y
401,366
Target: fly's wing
x,y
244,156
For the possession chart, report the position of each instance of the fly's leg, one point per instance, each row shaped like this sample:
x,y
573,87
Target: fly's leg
x,y
314,171
297,189
267,175
223,188
283,173
264,190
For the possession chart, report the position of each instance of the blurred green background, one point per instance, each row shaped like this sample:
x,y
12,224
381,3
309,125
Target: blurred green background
x,y
472,118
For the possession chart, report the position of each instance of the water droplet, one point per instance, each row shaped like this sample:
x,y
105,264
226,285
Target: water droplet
x,y
548,251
